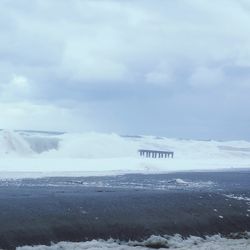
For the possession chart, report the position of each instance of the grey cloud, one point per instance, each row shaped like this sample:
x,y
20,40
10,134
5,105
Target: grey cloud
x,y
129,62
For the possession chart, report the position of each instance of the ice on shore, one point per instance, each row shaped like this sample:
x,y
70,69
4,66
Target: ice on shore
x,y
40,154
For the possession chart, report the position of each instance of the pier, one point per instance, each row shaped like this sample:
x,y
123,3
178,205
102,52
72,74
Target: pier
x,y
155,153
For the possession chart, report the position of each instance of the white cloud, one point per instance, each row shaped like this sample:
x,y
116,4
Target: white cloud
x,y
121,41
19,87
86,51
25,115
206,77
83,63
20,82
158,78
162,75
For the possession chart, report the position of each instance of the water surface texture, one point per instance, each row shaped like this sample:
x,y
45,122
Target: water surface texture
x,y
41,211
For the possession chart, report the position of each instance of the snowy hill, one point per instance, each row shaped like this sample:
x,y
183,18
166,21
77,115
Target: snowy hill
x,y
102,153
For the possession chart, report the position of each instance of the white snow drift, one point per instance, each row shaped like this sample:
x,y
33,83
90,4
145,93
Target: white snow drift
x,y
45,153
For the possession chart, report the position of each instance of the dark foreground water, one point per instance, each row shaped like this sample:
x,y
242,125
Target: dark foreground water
x,y
41,211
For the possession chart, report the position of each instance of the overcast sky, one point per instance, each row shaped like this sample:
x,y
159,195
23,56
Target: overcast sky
x,y
171,68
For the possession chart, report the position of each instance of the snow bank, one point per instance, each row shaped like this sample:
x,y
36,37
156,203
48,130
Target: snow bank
x,y
95,154
215,242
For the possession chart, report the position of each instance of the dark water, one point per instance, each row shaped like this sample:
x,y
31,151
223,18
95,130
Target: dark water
x,y
41,211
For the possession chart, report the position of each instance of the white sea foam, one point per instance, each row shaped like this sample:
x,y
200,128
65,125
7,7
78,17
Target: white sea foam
x,y
238,197
215,242
46,154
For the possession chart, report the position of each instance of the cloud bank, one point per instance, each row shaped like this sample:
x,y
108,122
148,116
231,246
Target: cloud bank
x,y
173,68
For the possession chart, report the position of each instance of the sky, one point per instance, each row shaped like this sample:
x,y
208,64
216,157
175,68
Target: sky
x,y
168,68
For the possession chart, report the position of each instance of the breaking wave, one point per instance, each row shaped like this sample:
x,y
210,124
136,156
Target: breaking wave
x,y
215,242
122,181
97,145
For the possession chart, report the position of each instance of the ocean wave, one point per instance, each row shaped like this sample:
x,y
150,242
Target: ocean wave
x,y
215,242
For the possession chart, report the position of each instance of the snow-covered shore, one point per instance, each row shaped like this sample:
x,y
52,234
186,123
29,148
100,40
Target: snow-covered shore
x,y
37,154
